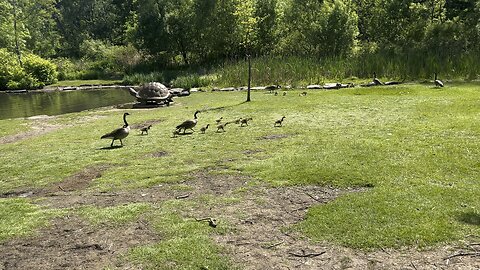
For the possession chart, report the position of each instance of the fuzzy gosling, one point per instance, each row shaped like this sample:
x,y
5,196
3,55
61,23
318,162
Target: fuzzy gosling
x,y
222,126
203,129
245,121
279,122
145,129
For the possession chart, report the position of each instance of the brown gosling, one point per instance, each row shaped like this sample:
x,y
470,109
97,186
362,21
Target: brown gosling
x,y
245,121
175,133
203,129
219,120
279,122
276,93
222,126
119,133
237,121
303,94
145,129
284,93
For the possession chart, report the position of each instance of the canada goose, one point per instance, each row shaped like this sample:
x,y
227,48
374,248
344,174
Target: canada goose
x,y
203,129
279,122
245,121
188,124
219,120
145,129
303,94
119,133
222,126
437,82
376,81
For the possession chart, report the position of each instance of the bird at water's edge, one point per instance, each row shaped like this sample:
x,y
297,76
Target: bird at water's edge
x,y
119,133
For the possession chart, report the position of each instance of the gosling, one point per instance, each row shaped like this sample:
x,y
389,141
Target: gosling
x,y
219,120
203,129
222,127
279,122
303,94
245,121
284,93
145,129
237,121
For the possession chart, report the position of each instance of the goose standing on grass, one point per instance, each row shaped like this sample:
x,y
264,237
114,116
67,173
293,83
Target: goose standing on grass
x,y
437,82
279,122
188,124
119,133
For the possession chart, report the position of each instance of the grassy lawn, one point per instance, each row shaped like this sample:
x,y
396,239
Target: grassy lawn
x,y
415,148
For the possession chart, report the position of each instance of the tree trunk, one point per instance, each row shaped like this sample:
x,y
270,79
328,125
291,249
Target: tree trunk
x,y
249,77
17,45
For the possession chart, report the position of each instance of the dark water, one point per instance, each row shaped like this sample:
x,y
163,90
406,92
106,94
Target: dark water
x,y
60,102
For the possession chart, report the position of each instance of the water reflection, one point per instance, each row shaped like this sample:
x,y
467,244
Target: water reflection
x,y
59,102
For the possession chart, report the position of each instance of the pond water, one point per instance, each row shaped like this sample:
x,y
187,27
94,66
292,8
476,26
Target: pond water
x,y
60,102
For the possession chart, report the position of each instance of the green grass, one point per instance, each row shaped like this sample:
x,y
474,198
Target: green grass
x,y
417,146
19,217
116,215
185,242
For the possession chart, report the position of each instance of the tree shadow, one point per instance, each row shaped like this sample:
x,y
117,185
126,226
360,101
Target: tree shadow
x,y
110,147
470,218
223,107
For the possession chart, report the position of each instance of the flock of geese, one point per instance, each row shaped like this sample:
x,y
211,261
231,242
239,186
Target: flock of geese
x,y
124,131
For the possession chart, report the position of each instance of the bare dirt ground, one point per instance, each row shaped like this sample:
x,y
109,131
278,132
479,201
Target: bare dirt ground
x,y
260,238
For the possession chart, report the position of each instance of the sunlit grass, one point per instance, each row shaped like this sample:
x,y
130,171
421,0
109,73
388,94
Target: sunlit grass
x,y
19,217
116,215
415,146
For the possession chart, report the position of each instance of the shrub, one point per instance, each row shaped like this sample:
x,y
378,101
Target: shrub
x,y
43,71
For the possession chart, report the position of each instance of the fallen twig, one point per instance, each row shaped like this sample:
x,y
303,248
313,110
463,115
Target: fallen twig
x,y
462,254
274,245
211,221
413,265
182,196
307,255
313,197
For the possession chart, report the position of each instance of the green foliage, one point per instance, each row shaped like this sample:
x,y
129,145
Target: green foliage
x,y
35,73
42,70
190,81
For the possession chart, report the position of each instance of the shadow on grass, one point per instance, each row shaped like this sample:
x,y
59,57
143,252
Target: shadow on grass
x,y
111,147
470,218
223,107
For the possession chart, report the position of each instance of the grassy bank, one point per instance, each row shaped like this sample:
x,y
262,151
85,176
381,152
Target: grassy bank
x,y
415,149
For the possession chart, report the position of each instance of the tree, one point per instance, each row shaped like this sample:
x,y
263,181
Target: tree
x,y
247,31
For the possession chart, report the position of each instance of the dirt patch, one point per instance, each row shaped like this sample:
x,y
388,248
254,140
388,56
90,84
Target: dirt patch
x,y
38,127
274,137
158,154
260,217
71,243
78,181
146,124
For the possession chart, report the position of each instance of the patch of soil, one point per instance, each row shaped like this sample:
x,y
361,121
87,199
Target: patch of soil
x,y
159,154
146,123
71,243
78,181
39,127
261,235
274,137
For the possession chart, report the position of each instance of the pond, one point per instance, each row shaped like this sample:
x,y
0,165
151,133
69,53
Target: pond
x,y
60,102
